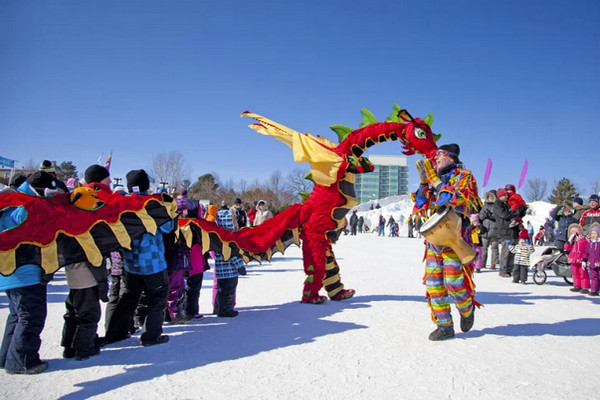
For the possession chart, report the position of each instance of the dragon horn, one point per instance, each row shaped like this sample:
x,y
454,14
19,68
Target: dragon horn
x,y
405,115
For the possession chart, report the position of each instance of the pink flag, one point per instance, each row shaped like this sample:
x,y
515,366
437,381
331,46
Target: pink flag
x,y
488,171
523,173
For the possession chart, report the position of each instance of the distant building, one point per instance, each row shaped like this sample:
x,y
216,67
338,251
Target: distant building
x,y
390,178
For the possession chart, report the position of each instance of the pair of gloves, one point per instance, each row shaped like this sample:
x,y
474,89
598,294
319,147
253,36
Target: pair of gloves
x,y
427,175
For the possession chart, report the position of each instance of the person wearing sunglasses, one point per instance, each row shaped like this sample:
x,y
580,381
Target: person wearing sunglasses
x,y
446,183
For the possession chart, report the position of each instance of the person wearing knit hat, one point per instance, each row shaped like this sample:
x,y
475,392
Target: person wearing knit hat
x,y
144,270
522,250
453,151
507,231
446,183
137,181
47,166
579,208
575,247
98,178
523,234
591,215
489,236
50,167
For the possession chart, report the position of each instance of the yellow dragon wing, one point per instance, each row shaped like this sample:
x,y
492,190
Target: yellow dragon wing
x,y
317,151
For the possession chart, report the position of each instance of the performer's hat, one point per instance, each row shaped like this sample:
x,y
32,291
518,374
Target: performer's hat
x,y
453,151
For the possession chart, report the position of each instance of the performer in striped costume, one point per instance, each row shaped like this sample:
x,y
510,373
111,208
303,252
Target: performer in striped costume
x,y
447,184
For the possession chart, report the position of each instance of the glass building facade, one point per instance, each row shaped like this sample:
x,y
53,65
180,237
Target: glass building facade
x,y
390,178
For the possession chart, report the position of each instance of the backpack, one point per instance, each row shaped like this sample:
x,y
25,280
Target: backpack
x,y
241,217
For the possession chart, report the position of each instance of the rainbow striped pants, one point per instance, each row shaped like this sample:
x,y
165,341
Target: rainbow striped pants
x,y
444,277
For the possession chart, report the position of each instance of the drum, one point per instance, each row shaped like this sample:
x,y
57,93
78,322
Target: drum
x,y
443,229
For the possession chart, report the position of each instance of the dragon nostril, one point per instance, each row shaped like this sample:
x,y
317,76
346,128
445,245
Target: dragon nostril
x,y
393,136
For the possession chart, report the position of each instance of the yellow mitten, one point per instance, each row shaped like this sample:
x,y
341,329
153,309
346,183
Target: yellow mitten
x,y
432,176
420,166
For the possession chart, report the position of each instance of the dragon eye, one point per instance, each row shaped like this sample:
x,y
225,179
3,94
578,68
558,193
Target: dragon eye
x,y
420,133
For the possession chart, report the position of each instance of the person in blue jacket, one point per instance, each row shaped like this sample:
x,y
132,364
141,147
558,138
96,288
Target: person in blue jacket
x,y
145,270
26,292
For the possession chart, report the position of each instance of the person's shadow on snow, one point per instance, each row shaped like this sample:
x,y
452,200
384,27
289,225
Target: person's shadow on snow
x,y
255,330
572,327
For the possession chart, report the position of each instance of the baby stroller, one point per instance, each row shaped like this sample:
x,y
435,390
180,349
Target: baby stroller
x,y
556,260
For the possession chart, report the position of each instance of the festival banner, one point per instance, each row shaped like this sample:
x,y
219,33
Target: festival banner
x,y
5,162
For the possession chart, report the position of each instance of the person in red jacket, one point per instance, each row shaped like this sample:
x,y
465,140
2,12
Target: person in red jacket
x,y
590,216
516,203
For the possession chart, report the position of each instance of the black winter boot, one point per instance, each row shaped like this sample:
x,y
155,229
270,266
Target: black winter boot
x,y
442,333
466,323
227,288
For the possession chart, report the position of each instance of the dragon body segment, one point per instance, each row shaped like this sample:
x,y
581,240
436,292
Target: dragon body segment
x,y
333,169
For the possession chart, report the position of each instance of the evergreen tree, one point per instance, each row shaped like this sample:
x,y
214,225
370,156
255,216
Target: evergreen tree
x,y
205,188
564,192
66,170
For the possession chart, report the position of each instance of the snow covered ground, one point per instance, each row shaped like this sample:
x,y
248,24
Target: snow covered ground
x,y
528,342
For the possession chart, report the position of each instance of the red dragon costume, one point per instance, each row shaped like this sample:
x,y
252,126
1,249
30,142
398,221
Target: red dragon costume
x,y
57,233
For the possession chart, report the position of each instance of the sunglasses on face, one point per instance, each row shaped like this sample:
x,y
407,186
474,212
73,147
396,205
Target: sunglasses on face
x,y
442,153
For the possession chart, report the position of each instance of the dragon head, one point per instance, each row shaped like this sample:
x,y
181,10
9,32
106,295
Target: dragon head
x,y
414,134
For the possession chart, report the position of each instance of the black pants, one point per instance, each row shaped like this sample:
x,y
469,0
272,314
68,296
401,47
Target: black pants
x,y
27,315
192,294
156,287
225,294
81,321
519,272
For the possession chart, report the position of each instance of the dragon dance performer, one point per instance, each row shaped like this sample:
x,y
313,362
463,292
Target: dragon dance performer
x,y
448,184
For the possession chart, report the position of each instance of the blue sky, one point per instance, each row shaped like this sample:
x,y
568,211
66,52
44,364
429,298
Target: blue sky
x,y
506,80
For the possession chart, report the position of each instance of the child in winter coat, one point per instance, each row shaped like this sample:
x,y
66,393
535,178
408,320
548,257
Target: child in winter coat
x,y
226,273
194,281
538,240
177,256
87,285
522,250
476,230
591,259
576,246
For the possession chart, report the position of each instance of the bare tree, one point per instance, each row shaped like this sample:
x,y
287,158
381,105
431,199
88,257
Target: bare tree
x,y
595,187
297,183
30,164
276,181
169,167
535,189
242,186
